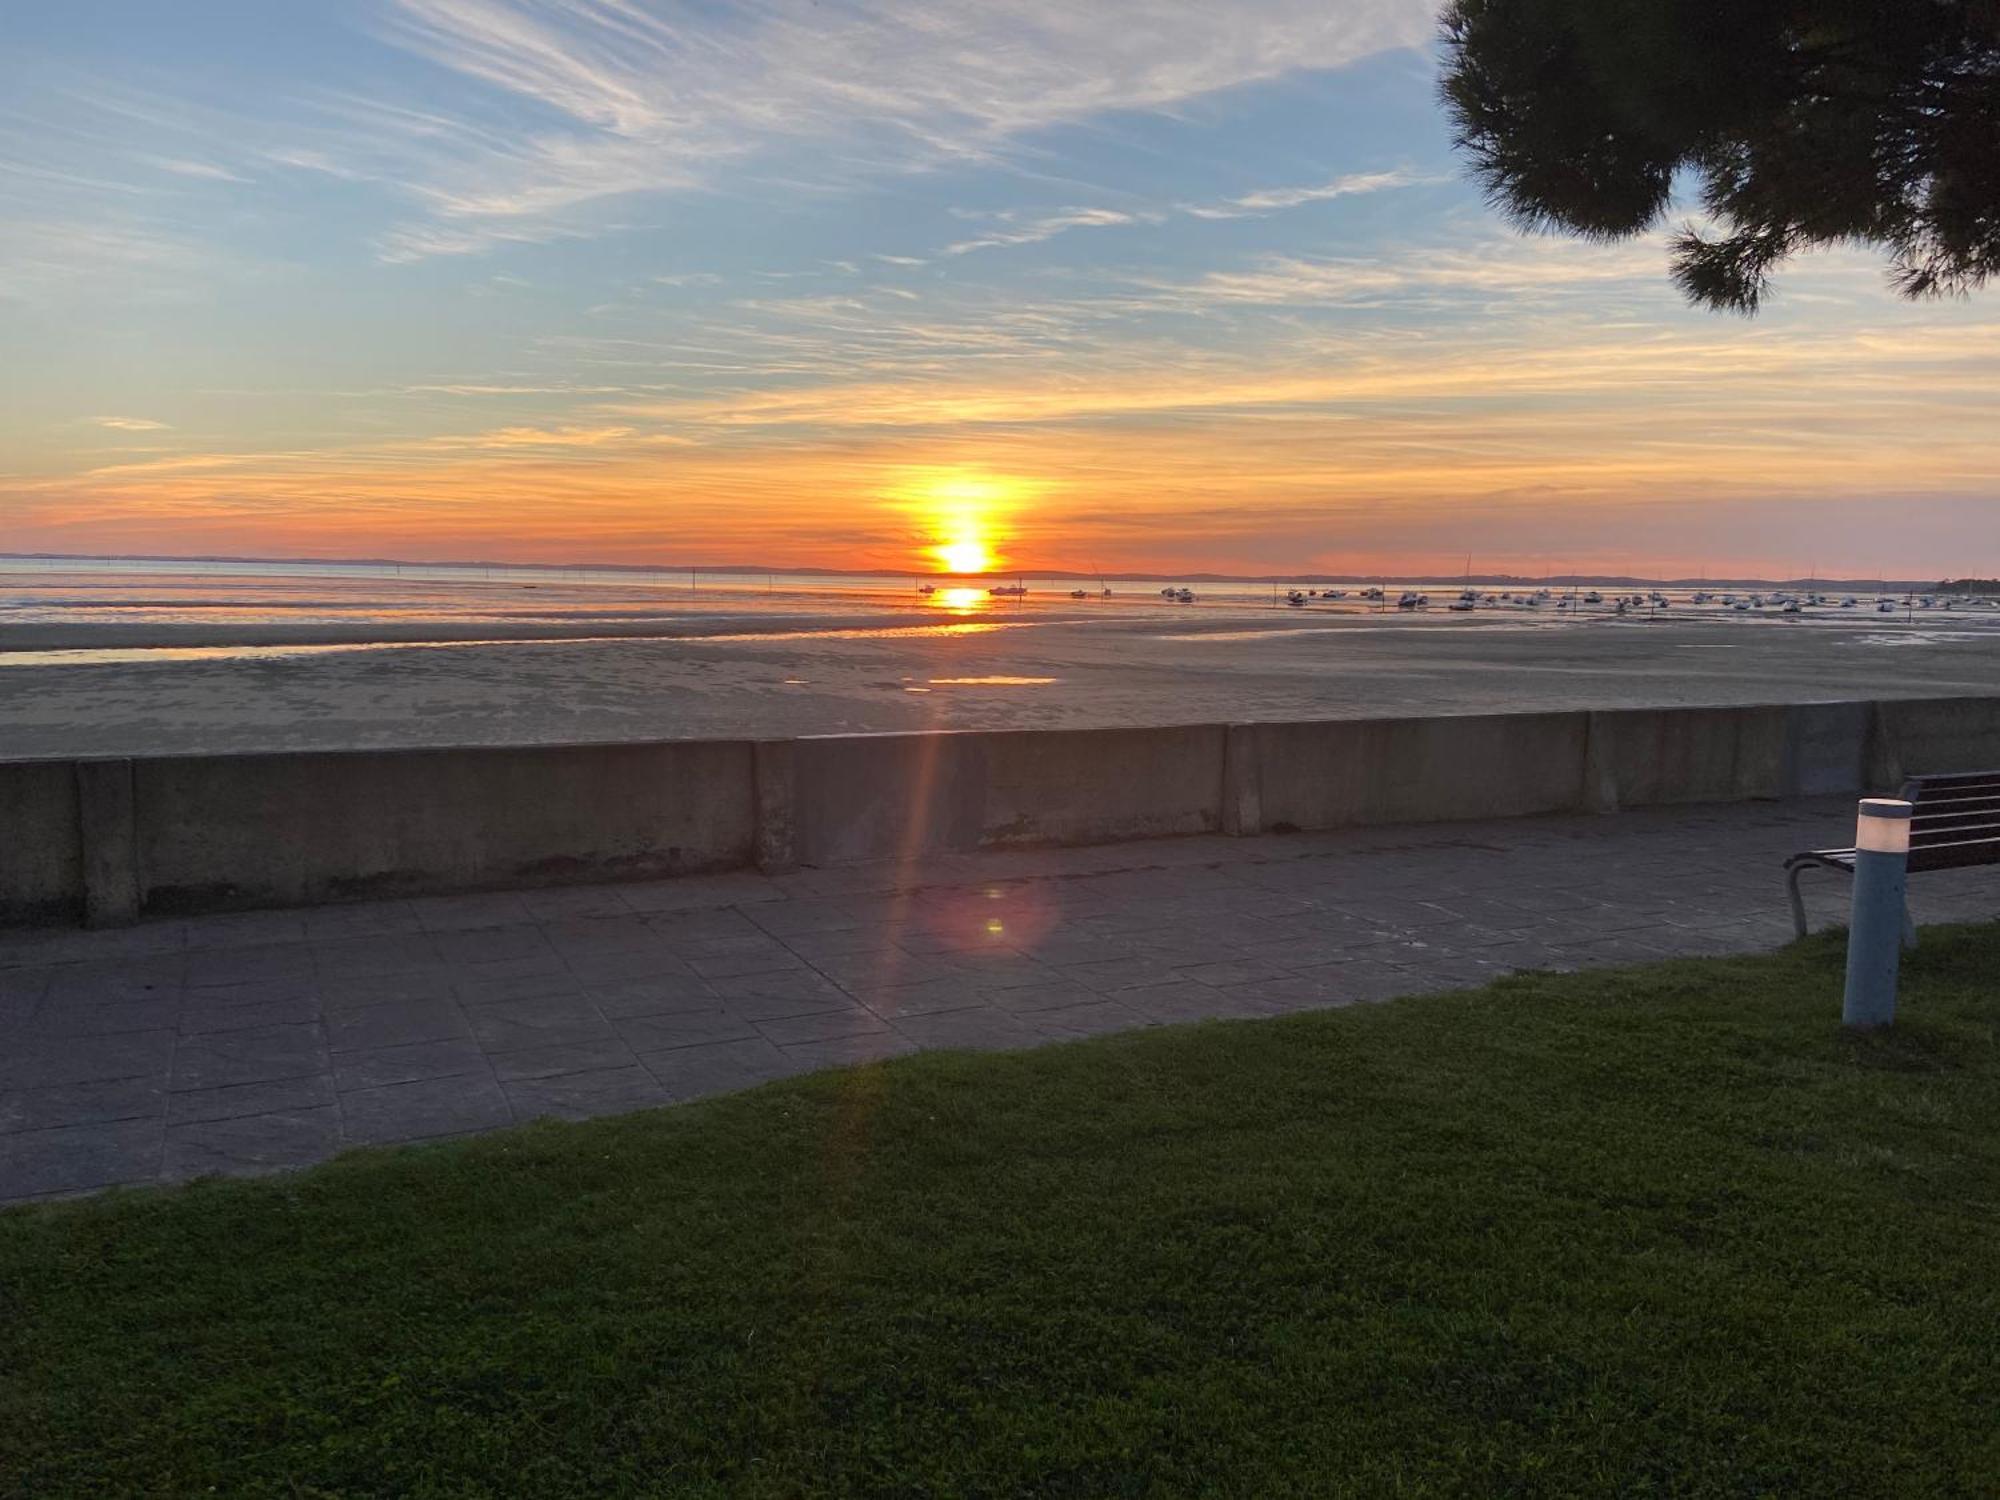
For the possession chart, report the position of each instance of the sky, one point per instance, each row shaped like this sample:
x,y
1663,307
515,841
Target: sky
x,y
870,284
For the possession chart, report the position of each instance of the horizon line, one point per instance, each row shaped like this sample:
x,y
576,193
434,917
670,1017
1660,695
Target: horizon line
x,y
1065,575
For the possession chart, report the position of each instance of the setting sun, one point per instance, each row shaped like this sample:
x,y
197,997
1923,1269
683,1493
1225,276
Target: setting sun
x,y
966,556
963,515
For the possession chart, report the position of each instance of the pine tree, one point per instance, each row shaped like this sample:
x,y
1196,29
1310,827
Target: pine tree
x,y
1792,123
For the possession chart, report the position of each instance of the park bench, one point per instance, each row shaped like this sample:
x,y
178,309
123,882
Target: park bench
x,y
1954,823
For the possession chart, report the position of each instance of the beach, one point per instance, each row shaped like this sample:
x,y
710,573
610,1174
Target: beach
x,y
199,663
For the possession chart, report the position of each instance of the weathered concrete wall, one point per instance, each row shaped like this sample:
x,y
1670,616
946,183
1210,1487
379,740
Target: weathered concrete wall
x,y
1649,757
1826,749
41,844
1339,774
1917,736
273,830
1087,786
886,795
104,840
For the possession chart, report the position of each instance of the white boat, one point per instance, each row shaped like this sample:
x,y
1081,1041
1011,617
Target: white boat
x,y
1460,606
1593,597
1295,599
1008,591
1185,596
1410,600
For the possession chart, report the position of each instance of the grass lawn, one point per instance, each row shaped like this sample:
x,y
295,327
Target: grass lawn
x,y
1660,1231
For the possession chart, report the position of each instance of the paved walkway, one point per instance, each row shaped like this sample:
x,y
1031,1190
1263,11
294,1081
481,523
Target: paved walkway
x,y
267,1040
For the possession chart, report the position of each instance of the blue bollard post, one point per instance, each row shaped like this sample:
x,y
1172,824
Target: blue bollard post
x,y
1875,930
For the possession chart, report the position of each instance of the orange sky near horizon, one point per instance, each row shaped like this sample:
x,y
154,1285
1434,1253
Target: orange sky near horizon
x,y
1016,285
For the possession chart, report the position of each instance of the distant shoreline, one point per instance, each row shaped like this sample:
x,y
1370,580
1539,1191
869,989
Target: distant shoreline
x,y
1065,575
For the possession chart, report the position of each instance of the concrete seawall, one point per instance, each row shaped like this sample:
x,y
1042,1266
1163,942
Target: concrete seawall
x,y
106,841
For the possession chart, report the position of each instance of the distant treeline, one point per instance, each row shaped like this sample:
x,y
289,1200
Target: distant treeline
x,y
1970,586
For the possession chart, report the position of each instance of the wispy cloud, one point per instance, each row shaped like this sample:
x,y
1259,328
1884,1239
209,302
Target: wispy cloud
x,y
1518,266
208,171
1267,200
1036,230
635,97
131,424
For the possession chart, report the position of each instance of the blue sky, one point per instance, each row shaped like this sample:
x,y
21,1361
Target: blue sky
x,y
1170,284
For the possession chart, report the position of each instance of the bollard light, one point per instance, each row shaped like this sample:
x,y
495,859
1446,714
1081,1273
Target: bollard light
x,y
1875,929
1883,826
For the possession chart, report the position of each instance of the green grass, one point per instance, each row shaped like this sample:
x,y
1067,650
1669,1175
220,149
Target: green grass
x,y
1661,1231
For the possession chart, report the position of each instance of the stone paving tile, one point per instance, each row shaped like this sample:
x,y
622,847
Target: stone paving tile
x,y
108,983
74,1158
230,966
428,1107
528,979
844,1051
1171,1004
82,1103
395,1023
380,989
199,1013
684,1028
366,919
235,1100
1050,994
618,998
490,945
652,962
695,893
897,1001
487,910
1095,1018
564,902
579,1096
250,1144
244,929
718,1067
44,1062
1135,972
261,1054
767,958
763,997
1240,971
552,1020
563,1057
823,1026
883,966
392,953
600,935
248,1041
375,1067
982,1028
60,1018
691,929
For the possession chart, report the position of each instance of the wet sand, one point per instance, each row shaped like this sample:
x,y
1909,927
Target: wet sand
x,y
832,672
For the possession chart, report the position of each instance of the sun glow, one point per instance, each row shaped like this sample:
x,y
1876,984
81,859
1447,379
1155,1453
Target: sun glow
x,y
967,555
963,516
